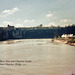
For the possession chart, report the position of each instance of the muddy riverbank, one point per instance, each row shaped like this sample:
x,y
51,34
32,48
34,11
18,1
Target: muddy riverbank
x,y
65,41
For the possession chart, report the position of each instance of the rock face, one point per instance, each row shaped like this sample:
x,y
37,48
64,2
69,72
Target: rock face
x,y
11,33
1,35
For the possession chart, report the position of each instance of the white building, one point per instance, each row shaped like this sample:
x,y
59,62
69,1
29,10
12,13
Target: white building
x,y
67,35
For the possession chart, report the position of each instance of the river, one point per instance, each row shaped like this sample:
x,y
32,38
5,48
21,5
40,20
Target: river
x,y
36,57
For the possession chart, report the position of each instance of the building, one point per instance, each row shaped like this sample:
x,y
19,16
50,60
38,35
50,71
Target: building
x,y
10,27
68,36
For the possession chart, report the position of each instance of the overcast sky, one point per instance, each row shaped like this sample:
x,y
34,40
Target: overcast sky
x,y
29,13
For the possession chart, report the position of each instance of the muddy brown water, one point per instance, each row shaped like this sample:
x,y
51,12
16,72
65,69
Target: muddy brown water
x,y
36,57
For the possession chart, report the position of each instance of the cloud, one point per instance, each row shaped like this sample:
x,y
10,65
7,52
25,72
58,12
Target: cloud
x,y
49,15
52,23
19,25
7,22
65,20
7,12
29,21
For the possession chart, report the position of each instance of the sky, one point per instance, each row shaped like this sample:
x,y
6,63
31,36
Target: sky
x,y
30,13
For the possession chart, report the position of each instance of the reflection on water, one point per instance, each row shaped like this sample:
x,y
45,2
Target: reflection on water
x,y
46,58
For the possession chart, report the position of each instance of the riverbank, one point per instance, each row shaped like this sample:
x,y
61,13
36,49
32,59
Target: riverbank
x,y
65,41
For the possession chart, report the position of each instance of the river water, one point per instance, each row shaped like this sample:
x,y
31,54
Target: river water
x,y
36,57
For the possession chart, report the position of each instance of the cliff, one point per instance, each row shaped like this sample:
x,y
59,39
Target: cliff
x,y
10,32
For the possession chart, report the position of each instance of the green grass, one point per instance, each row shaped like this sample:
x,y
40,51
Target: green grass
x,y
71,41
